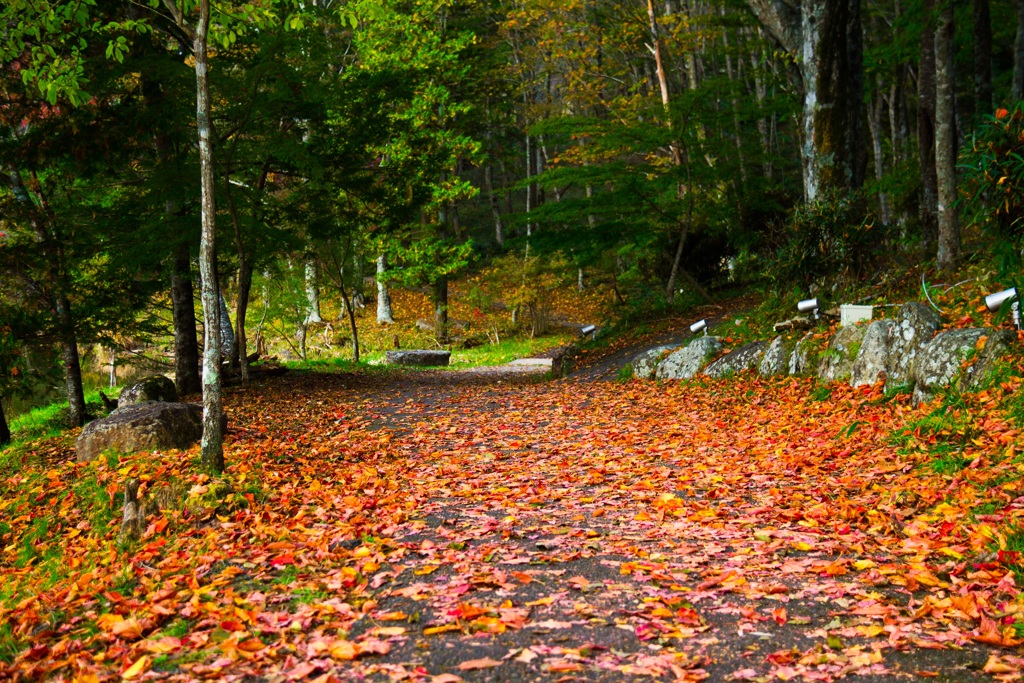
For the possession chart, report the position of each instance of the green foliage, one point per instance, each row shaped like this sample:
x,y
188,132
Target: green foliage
x,y
830,238
992,172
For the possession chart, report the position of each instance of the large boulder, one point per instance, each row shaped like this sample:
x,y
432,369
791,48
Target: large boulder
x,y
836,362
915,326
152,388
803,361
422,357
776,358
940,362
687,361
646,362
745,357
873,356
143,427
996,346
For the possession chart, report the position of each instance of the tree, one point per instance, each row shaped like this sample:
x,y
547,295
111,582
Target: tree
x,y
824,39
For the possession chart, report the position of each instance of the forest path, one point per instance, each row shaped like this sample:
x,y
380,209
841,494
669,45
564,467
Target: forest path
x,y
524,530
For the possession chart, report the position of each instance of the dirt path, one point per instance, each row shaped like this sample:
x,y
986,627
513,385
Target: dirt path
x,y
591,531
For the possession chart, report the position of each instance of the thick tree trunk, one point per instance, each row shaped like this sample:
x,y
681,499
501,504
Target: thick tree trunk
x,y
5,430
1017,89
945,140
982,57
212,447
385,316
825,37
926,132
186,346
312,293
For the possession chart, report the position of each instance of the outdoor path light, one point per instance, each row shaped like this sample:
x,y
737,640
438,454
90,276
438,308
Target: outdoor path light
x,y
808,306
995,301
699,325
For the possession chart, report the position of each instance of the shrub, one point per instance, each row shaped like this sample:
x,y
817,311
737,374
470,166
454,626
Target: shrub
x,y
992,168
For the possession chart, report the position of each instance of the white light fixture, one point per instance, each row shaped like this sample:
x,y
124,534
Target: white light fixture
x,y
995,301
809,306
698,326
589,329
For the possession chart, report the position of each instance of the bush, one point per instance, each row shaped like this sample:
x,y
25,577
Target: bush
x,y
831,237
992,168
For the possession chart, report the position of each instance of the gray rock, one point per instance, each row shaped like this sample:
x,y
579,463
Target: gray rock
x,y
775,358
996,346
646,362
915,326
687,361
938,363
746,357
836,362
152,388
873,356
804,359
143,427
418,357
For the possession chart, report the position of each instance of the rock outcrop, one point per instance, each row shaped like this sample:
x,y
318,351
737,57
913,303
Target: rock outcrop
x,y
836,362
745,357
646,362
688,361
776,358
940,362
422,357
873,357
915,326
143,427
803,362
152,388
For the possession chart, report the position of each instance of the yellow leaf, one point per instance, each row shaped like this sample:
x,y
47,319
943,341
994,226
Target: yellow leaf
x,y
140,666
861,565
440,629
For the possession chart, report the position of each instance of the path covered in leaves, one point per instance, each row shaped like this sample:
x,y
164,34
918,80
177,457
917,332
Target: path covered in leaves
x,y
441,526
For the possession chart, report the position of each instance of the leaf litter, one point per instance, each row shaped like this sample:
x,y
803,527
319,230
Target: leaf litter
x,y
468,526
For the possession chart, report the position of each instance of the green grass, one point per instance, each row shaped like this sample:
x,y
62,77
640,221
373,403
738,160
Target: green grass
x,y
508,350
51,420
821,394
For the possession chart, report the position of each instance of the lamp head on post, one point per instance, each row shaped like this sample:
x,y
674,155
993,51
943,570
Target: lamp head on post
x,y
995,301
809,306
698,326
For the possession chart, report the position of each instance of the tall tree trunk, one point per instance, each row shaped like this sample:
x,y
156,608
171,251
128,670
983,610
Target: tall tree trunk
x,y
1017,89
312,292
945,140
982,57
385,316
926,132
44,227
825,37
531,187
350,307
441,309
5,431
499,226
212,447
875,125
243,280
186,346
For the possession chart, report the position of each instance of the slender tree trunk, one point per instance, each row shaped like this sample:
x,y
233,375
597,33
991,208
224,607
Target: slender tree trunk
x,y
499,227
531,187
1017,89
312,292
228,342
186,346
945,140
44,227
213,441
982,57
875,126
243,280
926,132
385,316
350,307
5,431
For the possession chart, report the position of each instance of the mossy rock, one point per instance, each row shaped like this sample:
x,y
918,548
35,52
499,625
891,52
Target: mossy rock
x,y
152,388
